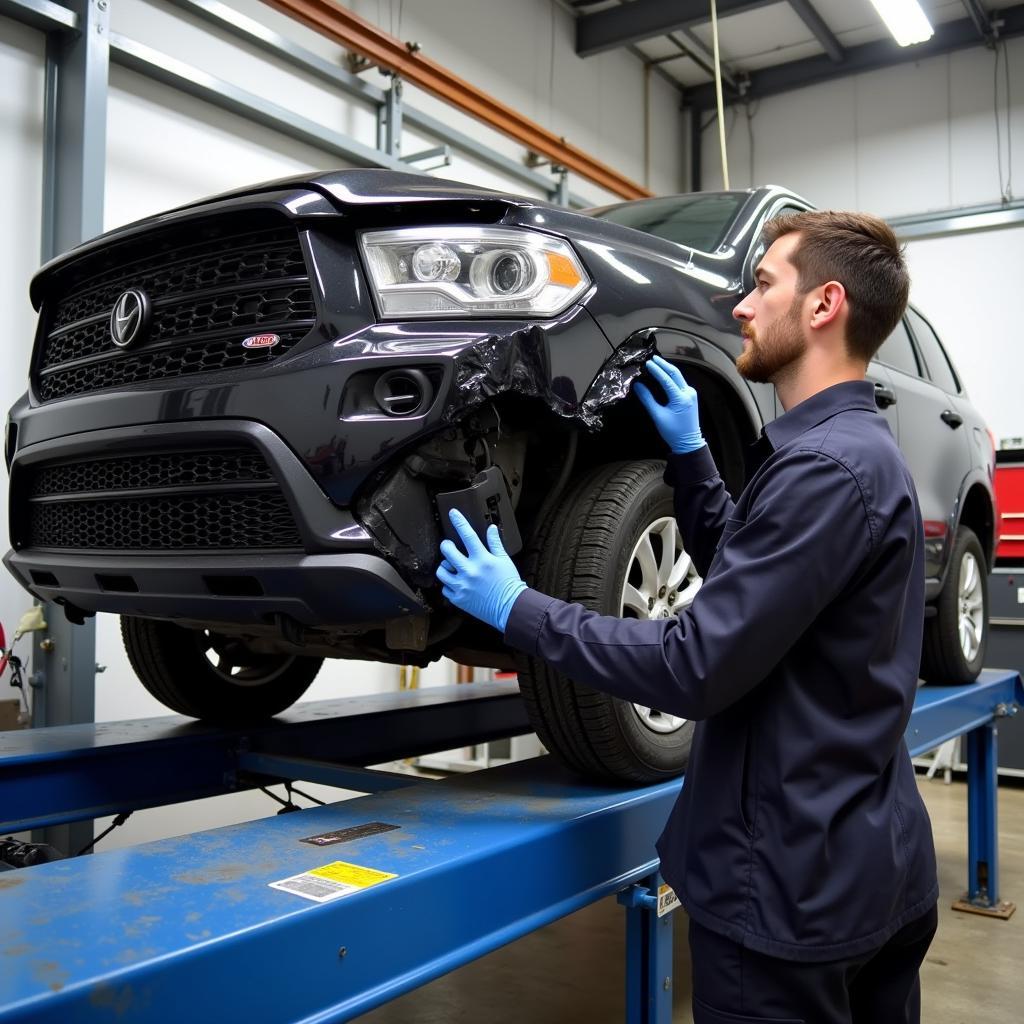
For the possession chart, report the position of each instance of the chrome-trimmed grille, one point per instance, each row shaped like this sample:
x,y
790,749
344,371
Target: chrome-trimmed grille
x,y
211,284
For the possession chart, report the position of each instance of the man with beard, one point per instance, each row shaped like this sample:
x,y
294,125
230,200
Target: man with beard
x,y
799,845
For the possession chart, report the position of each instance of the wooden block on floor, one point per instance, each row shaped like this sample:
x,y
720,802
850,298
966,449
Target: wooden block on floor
x,y
1003,909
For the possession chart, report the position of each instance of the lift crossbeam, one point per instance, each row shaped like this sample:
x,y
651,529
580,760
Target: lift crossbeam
x,y
76,772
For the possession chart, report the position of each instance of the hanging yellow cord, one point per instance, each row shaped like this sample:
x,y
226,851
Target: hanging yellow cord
x,y
718,93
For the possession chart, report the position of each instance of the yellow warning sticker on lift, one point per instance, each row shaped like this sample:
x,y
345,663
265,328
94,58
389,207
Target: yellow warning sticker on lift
x,y
332,881
667,900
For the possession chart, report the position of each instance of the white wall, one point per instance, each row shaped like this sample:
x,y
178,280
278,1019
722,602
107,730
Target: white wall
x,y
907,140
965,284
904,140
21,106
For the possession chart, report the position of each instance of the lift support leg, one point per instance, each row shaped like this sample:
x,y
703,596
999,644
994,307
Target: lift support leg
x,y
648,953
982,896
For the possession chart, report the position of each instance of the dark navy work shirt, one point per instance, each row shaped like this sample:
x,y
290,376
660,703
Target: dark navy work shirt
x,y
799,831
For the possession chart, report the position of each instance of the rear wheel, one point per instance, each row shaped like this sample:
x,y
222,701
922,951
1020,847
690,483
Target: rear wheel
x,y
613,546
955,637
207,675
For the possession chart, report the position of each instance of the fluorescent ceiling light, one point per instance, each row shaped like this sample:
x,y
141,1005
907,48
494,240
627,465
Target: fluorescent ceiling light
x,y
905,19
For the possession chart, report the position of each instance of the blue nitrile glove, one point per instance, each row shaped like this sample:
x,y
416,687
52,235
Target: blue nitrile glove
x,y
677,421
485,583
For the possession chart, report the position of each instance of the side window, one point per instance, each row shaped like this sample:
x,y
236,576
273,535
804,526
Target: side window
x,y
897,351
758,248
939,367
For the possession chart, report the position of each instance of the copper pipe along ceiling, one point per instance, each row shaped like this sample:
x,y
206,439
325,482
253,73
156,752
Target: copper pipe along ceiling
x,y
357,35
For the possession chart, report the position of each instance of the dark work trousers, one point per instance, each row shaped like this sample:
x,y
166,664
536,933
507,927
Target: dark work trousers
x,y
734,985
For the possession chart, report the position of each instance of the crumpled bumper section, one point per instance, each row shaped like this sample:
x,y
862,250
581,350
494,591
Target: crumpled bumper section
x,y
516,364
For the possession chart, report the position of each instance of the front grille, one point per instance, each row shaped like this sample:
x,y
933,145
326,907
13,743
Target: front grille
x,y
193,500
138,472
211,284
251,257
223,354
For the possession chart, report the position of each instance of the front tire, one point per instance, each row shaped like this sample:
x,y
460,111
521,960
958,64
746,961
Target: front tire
x,y
953,649
613,546
217,678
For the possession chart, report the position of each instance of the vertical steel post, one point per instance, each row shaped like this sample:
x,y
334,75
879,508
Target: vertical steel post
x,y
74,169
77,66
648,955
562,192
389,120
696,148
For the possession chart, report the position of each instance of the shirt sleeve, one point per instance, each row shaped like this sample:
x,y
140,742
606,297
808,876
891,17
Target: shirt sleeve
x,y
701,502
808,533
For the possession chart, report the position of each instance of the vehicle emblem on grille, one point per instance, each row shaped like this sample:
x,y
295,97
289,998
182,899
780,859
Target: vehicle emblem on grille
x,y
261,341
129,319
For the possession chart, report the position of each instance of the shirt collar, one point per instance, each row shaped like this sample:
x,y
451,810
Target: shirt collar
x,y
850,394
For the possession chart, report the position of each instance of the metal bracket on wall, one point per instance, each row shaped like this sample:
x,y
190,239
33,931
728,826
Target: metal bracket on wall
x,y
443,154
389,120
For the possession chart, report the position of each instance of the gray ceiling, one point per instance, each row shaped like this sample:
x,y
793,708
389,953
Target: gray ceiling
x,y
769,46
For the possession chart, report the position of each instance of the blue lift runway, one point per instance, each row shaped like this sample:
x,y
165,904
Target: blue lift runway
x,y
422,877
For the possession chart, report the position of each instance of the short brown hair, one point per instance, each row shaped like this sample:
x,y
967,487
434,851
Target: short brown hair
x,y
861,253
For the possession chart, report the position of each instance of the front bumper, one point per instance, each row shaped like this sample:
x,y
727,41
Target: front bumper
x,y
321,591
331,577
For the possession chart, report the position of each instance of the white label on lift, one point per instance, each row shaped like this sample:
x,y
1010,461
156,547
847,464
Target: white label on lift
x,y
667,900
1020,595
332,881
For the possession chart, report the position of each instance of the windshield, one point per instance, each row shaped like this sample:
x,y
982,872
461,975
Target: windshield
x,y
698,221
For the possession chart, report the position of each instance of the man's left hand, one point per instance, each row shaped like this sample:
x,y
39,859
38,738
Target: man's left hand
x,y
484,581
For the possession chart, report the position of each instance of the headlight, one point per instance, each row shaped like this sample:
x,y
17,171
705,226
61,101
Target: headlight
x,y
471,271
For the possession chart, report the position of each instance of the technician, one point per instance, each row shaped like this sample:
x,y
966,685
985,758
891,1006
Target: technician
x,y
799,844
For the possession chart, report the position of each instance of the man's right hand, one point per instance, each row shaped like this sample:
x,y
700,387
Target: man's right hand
x,y
677,421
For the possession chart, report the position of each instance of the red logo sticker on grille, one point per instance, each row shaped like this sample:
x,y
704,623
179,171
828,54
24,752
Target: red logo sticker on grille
x,y
261,341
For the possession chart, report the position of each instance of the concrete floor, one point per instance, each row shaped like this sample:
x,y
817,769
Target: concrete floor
x,y
573,970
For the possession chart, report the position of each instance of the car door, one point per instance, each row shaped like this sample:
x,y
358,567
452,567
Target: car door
x,y
885,394
933,443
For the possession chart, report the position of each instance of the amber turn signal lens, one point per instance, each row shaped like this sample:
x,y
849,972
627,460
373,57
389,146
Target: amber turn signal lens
x,y
562,271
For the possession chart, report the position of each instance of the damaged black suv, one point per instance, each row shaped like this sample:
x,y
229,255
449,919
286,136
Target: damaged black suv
x,y
246,417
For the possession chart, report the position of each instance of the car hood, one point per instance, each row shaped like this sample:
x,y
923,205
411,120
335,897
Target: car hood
x,y
365,186
358,187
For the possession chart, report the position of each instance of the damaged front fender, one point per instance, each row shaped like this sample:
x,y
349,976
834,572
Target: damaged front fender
x,y
520,364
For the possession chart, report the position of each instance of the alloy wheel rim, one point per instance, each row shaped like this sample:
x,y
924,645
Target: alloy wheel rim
x,y
660,582
971,604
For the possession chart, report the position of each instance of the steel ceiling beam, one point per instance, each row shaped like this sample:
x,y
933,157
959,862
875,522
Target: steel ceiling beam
x,y
39,14
805,11
694,49
642,19
980,17
884,53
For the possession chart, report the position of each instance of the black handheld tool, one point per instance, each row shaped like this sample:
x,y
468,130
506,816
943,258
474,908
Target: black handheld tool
x,y
485,501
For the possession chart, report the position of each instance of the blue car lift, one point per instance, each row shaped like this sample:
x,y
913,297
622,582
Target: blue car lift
x,y
413,880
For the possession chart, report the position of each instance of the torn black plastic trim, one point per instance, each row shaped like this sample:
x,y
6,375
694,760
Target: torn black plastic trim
x,y
613,382
518,364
